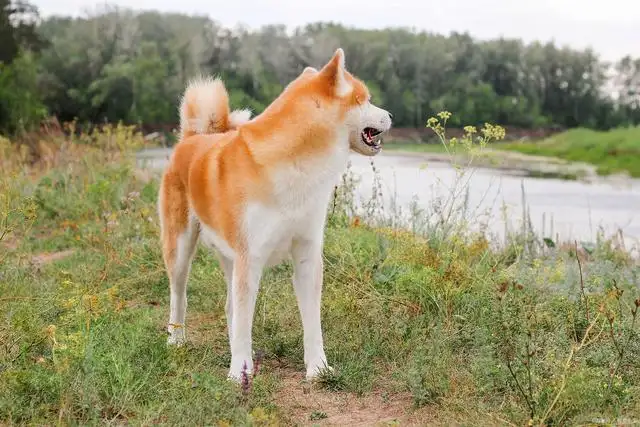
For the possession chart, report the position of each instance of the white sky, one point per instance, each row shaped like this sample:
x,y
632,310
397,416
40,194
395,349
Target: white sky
x,y
611,27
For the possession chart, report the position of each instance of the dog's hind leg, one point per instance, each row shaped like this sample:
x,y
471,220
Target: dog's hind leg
x,y
245,283
179,233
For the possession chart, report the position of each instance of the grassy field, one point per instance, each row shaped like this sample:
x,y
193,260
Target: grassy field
x,y
613,151
421,328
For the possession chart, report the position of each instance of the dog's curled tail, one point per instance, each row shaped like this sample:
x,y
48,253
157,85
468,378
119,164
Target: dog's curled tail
x,y
204,109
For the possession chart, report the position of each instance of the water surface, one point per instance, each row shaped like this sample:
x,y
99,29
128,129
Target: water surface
x,y
564,209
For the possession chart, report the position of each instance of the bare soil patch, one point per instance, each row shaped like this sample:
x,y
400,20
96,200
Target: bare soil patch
x,y
306,405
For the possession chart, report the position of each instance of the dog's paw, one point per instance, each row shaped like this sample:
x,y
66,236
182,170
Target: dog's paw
x,y
240,377
240,370
316,370
176,341
176,336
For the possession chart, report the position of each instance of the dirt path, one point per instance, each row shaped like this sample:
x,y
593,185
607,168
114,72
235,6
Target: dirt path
x,y
307,405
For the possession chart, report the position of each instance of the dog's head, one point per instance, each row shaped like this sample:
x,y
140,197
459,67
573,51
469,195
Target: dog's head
x,y
344,101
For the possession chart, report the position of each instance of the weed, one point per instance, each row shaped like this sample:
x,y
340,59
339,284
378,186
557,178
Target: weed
x,y
331,380
317,415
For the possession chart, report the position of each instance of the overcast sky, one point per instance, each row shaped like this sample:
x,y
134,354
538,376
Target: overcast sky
x,y
610,27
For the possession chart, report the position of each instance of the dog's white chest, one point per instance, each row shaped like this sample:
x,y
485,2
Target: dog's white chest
x,y
271,231
301,197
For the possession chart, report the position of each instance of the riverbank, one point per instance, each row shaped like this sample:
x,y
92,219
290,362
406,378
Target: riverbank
x,y
577,154
512,162
613,151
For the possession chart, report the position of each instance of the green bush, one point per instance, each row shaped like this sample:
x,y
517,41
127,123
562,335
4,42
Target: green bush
x,y
21,107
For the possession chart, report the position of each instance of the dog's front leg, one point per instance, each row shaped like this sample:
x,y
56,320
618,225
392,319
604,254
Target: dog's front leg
x,y
307,281
227,268
245,283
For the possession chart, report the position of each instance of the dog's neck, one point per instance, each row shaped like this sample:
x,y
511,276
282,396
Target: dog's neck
x,y
275,138
305,159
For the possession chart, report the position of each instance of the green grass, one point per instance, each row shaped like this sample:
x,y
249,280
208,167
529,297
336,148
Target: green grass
x,y
438,330
613,151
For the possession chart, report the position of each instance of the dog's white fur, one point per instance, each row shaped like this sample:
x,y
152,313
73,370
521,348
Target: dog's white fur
x,y
291,225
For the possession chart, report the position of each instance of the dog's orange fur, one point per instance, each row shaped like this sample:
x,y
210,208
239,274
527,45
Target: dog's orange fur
x,y
258,191
222,169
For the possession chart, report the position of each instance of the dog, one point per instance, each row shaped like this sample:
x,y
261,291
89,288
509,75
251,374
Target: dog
x,y
257,190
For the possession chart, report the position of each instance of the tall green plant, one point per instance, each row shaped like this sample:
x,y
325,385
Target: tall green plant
x,y
21,106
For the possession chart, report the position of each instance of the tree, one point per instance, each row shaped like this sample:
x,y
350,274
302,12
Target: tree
x,y
20,103
117,64
18,20
627,88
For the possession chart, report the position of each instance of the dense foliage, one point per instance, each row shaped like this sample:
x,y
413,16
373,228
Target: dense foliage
x,y
124,65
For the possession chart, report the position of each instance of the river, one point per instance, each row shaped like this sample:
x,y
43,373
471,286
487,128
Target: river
x,y
564,210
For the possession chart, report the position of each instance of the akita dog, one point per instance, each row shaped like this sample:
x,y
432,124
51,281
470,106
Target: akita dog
x,y
257,191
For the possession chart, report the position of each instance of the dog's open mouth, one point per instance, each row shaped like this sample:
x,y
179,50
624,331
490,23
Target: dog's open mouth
x,y
371,137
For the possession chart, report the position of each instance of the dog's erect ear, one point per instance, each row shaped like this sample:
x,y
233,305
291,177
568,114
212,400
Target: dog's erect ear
x,y
334,71
338,58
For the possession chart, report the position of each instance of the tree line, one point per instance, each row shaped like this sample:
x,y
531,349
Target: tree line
x,y
122,65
